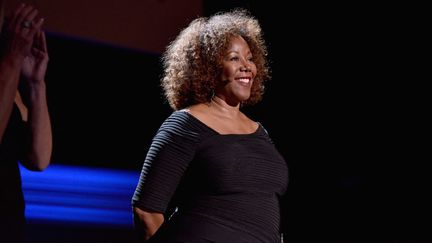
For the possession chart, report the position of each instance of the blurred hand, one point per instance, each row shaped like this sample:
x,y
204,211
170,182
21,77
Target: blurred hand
x,y
35,63
19,32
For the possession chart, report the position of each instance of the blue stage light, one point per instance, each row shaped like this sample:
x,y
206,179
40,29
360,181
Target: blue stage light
x,y
79,195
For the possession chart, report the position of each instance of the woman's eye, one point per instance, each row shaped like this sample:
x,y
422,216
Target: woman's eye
x,y
234,58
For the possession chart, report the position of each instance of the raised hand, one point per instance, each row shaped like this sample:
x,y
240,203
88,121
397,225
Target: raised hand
x,y
35,63
19,32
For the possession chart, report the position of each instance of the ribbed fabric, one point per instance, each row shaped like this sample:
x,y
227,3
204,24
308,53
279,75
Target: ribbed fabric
x,y
233,180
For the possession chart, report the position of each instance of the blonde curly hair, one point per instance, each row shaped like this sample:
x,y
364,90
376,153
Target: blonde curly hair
x,y
192,62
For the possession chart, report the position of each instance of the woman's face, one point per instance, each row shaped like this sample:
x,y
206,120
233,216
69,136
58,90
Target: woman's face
x,y
238,72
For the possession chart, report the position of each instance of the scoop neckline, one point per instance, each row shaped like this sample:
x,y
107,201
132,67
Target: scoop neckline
x,y
220,134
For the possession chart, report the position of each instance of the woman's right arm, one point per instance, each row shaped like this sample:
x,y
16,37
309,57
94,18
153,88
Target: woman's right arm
x,y
169,155
147,223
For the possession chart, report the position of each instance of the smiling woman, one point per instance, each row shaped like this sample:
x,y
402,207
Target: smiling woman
x,y
212,173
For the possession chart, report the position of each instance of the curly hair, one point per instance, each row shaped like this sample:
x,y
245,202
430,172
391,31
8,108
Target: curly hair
x,y
192,62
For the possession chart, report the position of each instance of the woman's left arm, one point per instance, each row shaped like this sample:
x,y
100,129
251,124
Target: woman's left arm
x,y
39,146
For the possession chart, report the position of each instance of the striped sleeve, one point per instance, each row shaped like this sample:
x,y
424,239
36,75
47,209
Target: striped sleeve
x,y
168,157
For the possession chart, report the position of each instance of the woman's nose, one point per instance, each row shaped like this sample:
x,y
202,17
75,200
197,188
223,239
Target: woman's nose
x,y
245,68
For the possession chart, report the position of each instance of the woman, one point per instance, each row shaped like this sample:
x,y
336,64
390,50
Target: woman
x,y
25,128
212,174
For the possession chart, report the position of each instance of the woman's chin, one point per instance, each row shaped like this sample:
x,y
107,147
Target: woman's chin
x,y
244,97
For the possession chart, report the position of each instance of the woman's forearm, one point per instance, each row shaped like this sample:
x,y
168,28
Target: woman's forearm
x,y
39,127
147,223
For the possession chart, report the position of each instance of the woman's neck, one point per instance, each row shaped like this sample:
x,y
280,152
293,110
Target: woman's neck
x,y
220,107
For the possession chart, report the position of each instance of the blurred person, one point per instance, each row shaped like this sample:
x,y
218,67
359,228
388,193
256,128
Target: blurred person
x,y
25,128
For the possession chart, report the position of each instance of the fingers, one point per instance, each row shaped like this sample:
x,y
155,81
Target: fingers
x,y
36,26
24,20
16,13
39,41
22,31
43,42
27,22
39,48
21,14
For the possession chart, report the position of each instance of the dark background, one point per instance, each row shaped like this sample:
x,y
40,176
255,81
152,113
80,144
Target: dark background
x,y
335,109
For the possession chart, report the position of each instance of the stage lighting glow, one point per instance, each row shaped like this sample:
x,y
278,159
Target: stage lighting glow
x,y
79,195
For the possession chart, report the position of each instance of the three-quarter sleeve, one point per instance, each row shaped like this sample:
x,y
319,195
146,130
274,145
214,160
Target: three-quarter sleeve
x,y
167,159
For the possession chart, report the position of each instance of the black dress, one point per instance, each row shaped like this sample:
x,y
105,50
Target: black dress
x,y
221,188
11,196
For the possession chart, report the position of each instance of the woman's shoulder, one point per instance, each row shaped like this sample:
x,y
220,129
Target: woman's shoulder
x,y
179,117
176,120
182,122
264,132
